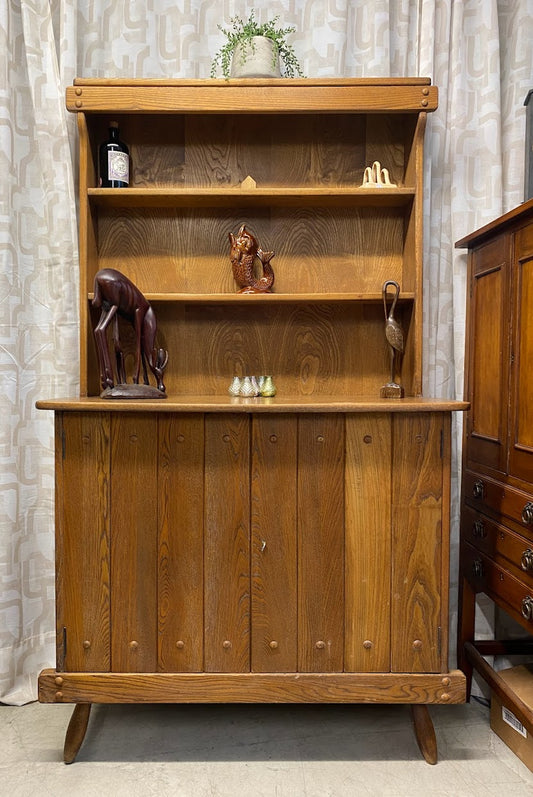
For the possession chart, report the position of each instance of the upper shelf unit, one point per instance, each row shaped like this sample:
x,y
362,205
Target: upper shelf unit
x,y
288,159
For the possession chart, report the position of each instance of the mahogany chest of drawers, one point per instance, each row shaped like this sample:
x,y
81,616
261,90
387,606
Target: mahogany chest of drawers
x,y
497,482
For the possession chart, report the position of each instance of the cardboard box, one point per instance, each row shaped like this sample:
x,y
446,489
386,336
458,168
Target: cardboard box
x,y
502,720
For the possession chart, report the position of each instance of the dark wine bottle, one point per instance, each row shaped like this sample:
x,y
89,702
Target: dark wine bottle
x,y
114,160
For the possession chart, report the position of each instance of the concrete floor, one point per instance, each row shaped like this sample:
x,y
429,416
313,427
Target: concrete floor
x,y
255,751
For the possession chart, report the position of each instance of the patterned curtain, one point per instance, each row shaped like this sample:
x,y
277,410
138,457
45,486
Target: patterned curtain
x,y
479,54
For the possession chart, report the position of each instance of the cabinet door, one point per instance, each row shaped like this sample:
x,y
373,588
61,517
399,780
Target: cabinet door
x,y
488,355
521,420
83,542
419,553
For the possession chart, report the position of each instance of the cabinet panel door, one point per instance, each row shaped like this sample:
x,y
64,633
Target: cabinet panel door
x,y
321,543
274,538
521,422
368,542
417,484
181,543
227,543
488,353
134,526
82,541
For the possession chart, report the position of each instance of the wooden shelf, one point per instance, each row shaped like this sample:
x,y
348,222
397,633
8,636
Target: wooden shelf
x,y
269,298
331,196
292,404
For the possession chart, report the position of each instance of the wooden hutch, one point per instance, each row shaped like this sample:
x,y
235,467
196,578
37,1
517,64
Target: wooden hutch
x,y
287,549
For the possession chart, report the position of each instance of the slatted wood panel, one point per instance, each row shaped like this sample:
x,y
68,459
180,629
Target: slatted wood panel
x,y
227,543
320,543
134,540
181,543
521,432
82,541
368,543
416,622
274,543
488,351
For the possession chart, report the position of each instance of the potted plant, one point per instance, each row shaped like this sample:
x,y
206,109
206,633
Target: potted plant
x,y
256,50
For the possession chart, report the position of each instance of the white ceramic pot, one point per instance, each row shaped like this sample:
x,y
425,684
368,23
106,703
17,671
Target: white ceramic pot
x,y
256,61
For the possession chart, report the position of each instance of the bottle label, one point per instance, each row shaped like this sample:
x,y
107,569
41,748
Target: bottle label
x,y
118,166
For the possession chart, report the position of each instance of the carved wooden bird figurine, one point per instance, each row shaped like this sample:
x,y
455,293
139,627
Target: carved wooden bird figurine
x,y
393,331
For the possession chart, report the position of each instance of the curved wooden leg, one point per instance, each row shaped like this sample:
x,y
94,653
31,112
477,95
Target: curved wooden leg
x,y
425,733
76,731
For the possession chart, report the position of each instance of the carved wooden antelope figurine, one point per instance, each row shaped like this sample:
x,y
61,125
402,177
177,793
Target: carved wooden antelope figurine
x,y
118,296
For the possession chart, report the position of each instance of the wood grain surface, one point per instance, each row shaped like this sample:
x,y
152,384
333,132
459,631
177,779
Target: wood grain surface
x,y
368,543
417,485
227,544
83,586
181,543
134,524
321,543
446,688
274,633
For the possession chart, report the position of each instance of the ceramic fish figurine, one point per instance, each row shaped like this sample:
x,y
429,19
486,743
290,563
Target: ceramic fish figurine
x,y
243,252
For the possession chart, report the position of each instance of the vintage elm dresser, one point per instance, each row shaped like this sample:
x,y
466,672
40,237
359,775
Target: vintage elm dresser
x,y
287,549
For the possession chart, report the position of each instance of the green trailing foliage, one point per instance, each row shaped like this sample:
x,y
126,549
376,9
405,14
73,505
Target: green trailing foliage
x,y
243,32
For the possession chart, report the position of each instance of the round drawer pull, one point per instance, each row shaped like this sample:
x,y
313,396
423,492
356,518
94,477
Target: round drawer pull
x,y
527,513
477,568
527,608
478,529
526,560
